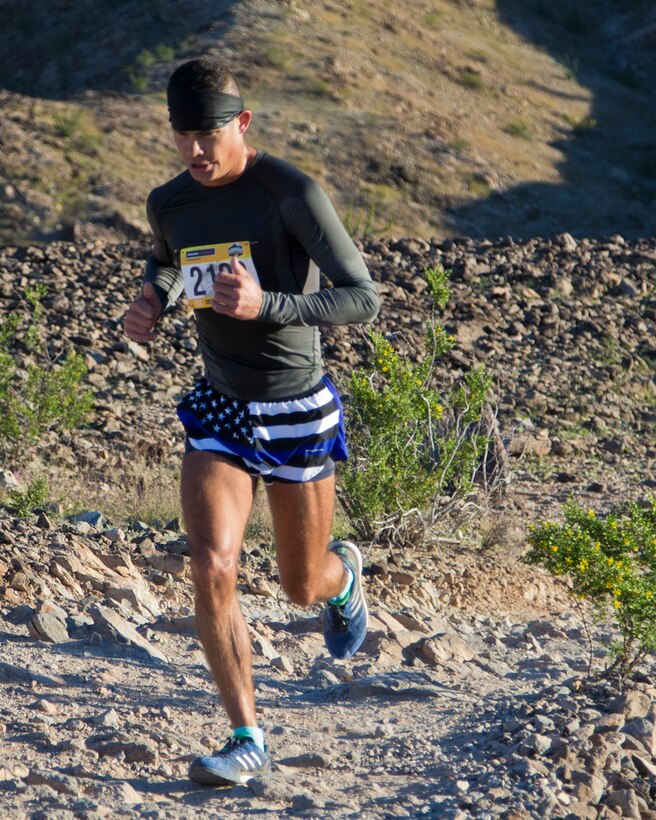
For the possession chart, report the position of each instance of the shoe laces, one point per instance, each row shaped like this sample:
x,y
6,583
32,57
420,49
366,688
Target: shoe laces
x,y
231,745
339,621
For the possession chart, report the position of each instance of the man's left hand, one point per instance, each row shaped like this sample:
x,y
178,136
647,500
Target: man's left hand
x,y
236,293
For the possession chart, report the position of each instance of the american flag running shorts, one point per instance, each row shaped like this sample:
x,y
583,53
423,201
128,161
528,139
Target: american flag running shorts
x,y
294,440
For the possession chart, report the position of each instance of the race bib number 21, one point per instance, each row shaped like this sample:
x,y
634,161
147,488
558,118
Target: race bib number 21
x,y
201,265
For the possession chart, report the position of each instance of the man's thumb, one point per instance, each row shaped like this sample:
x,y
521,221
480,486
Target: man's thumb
x,y
150,295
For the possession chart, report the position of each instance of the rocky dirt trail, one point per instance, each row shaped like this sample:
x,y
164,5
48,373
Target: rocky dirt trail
x,y
469,697
448,712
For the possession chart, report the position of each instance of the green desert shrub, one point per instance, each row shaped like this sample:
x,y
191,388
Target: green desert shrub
x,y
35,494
611,562
37,393
410,445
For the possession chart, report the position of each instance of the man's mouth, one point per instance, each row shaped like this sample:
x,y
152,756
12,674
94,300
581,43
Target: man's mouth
x,y
201,166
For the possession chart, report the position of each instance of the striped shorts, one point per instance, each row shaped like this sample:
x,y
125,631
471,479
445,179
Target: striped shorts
x,y
291,440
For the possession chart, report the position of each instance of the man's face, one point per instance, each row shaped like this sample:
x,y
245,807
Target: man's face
x,y
215,157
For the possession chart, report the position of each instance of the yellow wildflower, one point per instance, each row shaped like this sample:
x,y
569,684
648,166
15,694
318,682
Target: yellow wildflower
x,y
617,604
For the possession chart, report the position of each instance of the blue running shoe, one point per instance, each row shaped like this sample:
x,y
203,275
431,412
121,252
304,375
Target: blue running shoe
x,y
238,762
345,625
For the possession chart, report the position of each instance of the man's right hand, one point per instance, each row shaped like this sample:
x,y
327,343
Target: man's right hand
x,y
142,315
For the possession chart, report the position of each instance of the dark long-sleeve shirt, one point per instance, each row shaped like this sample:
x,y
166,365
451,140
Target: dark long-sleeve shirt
x,y
294,233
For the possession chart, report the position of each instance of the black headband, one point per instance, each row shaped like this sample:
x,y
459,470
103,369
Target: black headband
x,y
204,110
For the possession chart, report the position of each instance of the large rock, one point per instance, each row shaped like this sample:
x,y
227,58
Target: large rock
x,y
446,647
110,624
48,626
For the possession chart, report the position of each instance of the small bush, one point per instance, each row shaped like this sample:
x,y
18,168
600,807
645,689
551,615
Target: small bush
x,y
278,57
164,52
317,87
584,126
36,393
75,126
360,225
470,79
34,495
460,144
408,445
518,128
611,562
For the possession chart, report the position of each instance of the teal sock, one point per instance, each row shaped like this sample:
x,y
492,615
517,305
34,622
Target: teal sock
x,y
342,598
253,733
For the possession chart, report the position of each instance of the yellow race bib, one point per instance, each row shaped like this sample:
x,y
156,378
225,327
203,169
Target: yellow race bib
x,y
202,264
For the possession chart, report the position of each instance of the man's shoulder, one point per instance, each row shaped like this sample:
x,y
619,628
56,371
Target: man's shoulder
x,y
159,196
281,178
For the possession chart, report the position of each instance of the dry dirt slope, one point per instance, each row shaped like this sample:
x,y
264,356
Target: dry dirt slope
x,y
437,117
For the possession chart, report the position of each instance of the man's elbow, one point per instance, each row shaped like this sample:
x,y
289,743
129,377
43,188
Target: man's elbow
x,y
370,304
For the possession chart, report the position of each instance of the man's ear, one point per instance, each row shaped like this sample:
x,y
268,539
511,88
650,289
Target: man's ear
x,y
244,120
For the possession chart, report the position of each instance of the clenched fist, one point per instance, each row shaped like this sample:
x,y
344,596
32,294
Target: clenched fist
x,y
236,293
142,315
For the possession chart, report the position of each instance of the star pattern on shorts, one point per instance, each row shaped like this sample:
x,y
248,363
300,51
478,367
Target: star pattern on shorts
x,y
226,417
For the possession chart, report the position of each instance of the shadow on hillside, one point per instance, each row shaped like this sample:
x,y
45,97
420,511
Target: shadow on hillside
x,y
609,160
57,49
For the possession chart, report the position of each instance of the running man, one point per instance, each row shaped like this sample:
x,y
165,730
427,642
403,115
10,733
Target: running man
x,y
244,235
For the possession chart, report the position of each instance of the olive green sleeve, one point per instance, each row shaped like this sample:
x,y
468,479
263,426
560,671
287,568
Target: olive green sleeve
x,y
312,220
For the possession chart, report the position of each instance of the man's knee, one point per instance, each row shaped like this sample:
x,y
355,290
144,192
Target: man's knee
x,y
213,569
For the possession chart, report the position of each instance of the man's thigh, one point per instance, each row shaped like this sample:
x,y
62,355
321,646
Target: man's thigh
x,y
217,497
302,517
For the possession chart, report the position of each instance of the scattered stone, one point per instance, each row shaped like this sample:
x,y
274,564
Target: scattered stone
x,y
46,626
283,663
8,481
108,718
94,519
308,760
167,562
111,625
633,704
131,751
446,647
262,647
10,673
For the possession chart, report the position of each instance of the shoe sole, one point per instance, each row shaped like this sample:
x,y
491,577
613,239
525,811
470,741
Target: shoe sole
x,y
206,777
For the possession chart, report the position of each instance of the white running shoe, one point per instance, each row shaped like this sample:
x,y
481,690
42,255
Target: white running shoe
x,y
238,762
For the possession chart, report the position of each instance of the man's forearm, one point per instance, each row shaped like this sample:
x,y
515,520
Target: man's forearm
x,y
332,306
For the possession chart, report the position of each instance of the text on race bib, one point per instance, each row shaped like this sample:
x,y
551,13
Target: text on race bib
x,y
202,264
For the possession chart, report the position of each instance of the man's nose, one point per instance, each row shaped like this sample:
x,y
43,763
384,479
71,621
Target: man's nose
x,y
195,148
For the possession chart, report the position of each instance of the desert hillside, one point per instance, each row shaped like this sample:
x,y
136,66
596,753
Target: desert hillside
x,y
432,118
